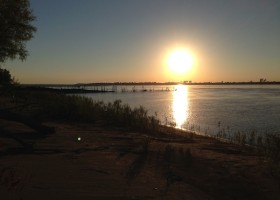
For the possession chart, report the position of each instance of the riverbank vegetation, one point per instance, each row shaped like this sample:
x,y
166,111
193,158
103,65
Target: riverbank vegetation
x,y
77,108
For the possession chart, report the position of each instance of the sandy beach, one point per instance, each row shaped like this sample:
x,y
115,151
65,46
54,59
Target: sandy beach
x,y
92,161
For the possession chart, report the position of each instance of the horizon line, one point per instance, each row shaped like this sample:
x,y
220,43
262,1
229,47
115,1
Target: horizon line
x,y
158,83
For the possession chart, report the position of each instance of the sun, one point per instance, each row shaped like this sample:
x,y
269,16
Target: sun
x,y
180,61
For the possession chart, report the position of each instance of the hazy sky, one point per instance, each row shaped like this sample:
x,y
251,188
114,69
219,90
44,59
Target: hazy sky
x,y
129,40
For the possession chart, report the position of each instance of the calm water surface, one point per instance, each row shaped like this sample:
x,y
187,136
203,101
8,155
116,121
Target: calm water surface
x,y
242,108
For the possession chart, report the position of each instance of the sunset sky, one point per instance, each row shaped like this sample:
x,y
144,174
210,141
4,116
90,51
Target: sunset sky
x,y
81,41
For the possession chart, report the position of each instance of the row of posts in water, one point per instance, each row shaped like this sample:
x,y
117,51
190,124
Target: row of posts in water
x,y
116,88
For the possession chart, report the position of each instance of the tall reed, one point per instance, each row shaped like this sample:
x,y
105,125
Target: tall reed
x,y
80,108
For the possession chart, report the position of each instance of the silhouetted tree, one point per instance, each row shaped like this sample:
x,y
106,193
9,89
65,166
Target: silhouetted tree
x,y
15,28
5,77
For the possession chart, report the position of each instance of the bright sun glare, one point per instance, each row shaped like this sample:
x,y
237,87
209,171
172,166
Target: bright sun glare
x,y
180,61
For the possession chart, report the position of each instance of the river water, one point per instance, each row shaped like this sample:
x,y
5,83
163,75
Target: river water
x,y
206,108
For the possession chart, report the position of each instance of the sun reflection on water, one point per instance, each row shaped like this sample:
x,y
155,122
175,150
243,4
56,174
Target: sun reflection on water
x,y
180,105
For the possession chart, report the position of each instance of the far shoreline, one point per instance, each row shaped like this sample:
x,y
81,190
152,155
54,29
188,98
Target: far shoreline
x,y
149,83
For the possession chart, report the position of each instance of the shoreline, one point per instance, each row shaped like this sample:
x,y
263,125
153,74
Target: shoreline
x,y
64,159
115,163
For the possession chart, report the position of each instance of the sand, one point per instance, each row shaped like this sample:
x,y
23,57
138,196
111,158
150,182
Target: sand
x,y
95,161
